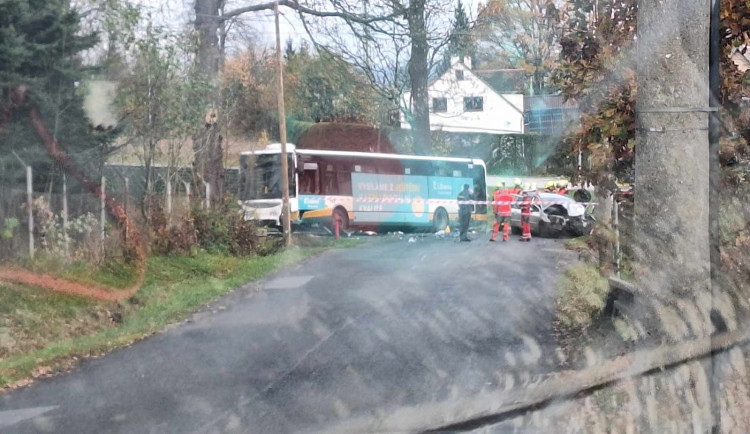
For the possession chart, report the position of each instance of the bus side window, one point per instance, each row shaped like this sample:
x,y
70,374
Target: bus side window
x,y
330,187
440,168
418,168
391,167
344,177
308,180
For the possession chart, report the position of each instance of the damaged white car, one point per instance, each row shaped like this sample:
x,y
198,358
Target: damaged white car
x,y
553,215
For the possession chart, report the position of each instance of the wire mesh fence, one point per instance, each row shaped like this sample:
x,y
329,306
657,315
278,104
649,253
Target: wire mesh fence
x,y
68,225
69,222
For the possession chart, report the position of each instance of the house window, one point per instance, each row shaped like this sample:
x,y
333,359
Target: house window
x,y
394,118
460,75
473,103
439,105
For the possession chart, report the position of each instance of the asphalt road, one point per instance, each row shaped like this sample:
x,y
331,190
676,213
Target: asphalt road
x,y
330,345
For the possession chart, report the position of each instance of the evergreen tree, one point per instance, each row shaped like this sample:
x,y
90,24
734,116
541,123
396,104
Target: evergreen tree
x,y
461,41
40,47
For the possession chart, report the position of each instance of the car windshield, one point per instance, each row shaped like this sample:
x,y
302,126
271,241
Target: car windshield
x,y
522,216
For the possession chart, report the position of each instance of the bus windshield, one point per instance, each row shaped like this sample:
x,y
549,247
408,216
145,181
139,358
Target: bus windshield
x,y
264,178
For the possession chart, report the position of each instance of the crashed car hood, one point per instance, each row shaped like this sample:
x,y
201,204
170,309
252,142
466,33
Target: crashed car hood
x,y
575,209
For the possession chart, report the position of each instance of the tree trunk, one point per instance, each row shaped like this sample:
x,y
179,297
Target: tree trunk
x,y
418,73
207,141
672,164
538,86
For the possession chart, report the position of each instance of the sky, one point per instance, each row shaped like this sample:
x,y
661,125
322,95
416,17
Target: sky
x,y
291,27
177,13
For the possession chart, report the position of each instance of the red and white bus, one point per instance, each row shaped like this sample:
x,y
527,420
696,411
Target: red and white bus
x,y
361,188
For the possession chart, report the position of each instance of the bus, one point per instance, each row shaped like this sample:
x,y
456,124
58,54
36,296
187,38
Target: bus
x,y
362,189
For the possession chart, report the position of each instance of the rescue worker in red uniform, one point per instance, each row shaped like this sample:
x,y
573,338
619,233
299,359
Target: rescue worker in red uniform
x,y
516,187
501,207
526,218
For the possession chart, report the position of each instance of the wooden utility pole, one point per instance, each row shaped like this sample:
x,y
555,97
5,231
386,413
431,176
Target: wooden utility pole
x,y
285,210
672,166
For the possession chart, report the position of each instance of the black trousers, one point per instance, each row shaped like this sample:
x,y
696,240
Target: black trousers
x,y
464,218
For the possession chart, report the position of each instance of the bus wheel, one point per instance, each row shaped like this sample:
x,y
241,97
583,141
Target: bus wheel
x,y
343,217
440,220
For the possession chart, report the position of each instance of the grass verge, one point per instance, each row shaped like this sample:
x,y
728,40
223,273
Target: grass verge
x,y
43,332
581,296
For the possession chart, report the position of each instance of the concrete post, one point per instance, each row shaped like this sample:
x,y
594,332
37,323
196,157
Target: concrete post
x,y
127,205
103,212
616,227
30,208
208,195
672,164
169,199
187,195
66,238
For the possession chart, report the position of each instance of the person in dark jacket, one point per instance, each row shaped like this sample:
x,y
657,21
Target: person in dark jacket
x,y
464,212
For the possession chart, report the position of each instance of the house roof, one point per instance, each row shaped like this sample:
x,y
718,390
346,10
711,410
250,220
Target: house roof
x,y
503,80
499,80
546,102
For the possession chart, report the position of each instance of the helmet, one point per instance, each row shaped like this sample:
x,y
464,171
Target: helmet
x,y
527,187
500,184
550,184
517,182
562,183
533,187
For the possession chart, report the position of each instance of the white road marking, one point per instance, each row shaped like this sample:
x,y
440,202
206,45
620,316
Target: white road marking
x,y
11,417
288,282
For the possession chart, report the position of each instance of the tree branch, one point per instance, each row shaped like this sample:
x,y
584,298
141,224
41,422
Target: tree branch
x,y
293,4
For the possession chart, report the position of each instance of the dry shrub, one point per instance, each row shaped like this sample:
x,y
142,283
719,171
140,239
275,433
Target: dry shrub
x,y
224,229
175,239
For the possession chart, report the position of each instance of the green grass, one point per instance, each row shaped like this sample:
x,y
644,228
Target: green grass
x,y
580,244
581,296
115,273
30,318
52,329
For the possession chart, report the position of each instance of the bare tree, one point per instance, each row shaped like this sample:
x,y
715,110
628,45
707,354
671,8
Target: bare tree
x,y
396,54
522,34
406,23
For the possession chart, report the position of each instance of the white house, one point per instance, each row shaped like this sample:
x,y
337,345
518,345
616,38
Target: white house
x,y
465,101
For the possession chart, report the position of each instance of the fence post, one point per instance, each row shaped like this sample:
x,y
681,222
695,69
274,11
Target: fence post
x,y
30,202
102,216
127,205
65,215
616,225
208,195
169,198
187,195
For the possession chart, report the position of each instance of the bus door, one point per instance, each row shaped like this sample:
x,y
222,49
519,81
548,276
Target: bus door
x,y
480,187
